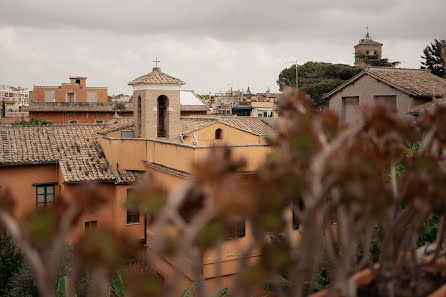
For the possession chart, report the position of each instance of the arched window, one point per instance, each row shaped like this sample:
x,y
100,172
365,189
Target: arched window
x,y
218,134
139,115
163,103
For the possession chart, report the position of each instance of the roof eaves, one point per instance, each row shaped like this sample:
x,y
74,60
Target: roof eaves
x,y
343,85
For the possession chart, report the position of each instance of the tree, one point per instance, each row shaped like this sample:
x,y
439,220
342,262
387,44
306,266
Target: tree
x,y
10,261
375,60
433,59
317,78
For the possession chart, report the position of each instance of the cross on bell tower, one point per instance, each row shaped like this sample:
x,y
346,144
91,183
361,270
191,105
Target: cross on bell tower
x,y
367,34
156,61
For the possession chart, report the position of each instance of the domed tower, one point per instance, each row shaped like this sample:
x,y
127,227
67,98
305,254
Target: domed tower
x,y
367,46
156,105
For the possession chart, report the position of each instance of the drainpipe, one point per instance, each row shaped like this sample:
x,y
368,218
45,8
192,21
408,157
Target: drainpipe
x,y
145,229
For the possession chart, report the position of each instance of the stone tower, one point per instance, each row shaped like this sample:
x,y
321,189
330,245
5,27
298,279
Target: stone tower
x,y
367,46
156,105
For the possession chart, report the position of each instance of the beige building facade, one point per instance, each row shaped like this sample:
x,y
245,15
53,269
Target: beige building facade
x,y
402,89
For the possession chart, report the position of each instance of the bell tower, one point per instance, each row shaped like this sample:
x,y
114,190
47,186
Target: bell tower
x,y
156,105
367,47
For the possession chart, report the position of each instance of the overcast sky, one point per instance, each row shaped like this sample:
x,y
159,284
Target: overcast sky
x,y
208,44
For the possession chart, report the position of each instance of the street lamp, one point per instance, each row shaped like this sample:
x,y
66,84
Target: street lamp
x,y
297,77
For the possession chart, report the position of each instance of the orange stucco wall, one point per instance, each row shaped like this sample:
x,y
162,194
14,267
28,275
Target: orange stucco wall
x,y
61,93
231,136
130,153
228,258
80,117
20,180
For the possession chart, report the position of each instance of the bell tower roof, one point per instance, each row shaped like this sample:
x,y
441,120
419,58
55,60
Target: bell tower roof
x,y
156,77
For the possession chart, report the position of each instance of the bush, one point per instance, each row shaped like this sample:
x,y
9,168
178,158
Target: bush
x,y
33,122
10,261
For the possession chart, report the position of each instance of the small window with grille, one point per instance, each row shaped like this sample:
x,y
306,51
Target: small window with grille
x,y
44,195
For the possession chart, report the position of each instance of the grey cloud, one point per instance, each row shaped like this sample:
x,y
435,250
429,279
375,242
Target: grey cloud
x,y
233,19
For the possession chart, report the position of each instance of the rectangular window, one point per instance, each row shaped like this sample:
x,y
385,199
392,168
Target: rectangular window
x,y
73,122
90,224
127,134
70,97
78,81
259,115
92,96
49,96
99,122
44,195
387,99
236,231
350,113
132,214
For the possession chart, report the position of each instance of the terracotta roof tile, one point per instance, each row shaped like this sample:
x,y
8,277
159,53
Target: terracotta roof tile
x,y
256,126
76,106
194,108
75,148
156,77
414,82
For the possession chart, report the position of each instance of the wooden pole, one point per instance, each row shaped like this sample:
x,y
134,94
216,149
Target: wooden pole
x,y
443,55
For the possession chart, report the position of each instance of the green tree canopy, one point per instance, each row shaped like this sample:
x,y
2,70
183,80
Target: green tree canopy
x,y
317,78
433,59
375,60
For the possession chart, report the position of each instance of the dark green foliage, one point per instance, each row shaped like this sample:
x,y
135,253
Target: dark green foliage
x,y
317,78
430,234
22,283
119,106
374,60
33,122
323,279
10,261
433,59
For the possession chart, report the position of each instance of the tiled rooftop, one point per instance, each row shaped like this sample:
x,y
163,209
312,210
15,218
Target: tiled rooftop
x,y
77,107
255,126
194,108
156,77
414,82
74,148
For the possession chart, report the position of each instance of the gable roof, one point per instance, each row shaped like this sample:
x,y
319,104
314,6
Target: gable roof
x,y
255,126
73,147
156,77
414,82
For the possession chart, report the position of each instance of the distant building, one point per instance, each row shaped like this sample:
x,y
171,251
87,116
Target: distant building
x,y
14,98
74,91
367,47
268,96
264,110
79,112
403,89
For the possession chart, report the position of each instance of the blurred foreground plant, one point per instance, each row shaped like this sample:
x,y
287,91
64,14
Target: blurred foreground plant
x,y
349,189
